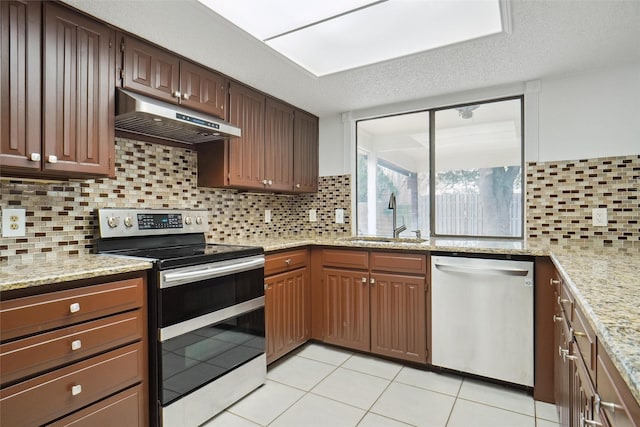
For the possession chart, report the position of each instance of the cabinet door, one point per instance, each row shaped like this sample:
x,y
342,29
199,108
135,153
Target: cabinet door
x,y
246,154
305,152
150,71
346,308
203,90
287,312
563,374
278,151
398,325
79,59
20,71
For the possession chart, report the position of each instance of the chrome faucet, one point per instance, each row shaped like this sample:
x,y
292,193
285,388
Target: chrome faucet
x,y
392,206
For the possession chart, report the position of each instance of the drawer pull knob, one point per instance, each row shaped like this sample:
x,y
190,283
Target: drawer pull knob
x,y
562,301
75,307
76,390
557,318
579,334
610,406
554,282
76,345
287,261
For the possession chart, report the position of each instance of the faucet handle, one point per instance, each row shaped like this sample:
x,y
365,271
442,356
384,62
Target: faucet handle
x,y
418,233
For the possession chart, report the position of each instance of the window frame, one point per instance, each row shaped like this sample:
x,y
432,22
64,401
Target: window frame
x,y
432,178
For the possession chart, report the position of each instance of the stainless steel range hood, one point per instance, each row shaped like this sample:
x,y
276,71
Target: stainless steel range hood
x,y
142,115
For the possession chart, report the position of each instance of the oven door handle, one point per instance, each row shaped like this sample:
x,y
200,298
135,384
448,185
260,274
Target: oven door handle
x,y
209,271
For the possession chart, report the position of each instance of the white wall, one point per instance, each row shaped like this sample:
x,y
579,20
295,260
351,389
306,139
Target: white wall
x,y
587,115
590,115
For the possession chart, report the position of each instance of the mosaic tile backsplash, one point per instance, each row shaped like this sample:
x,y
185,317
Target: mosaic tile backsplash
x,y
561,196
61,215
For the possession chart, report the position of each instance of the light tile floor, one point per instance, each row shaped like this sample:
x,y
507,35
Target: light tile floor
x,y
329,387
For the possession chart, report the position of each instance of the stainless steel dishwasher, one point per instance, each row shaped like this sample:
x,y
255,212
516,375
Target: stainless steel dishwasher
x,y
482,317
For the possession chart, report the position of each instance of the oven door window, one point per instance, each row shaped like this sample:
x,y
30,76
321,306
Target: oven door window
x,y
196,358
191,300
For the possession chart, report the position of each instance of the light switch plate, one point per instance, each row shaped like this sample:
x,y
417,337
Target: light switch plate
x,y
599,216
13,222
339,216
267,215
313,215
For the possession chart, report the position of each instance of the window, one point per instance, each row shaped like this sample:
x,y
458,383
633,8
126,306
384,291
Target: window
x,y
461,176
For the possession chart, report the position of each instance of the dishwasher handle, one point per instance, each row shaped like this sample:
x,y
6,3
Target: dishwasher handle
x,y
482,270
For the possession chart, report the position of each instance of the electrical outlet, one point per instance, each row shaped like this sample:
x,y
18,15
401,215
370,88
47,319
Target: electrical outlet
x,y
313,215
599,216
267,215
339,216
13,222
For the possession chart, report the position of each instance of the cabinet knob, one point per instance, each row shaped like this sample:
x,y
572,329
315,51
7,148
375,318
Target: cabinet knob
x,y
372,281
297,185
35,157
562,301
74,308
270,182
557,318
609,406
264,182
364,280
554,282
52,159
287,261
185,96
177,94
76,345
76,390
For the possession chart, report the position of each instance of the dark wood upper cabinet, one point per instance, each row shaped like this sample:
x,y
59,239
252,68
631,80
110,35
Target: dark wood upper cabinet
x,y
151,71
157,73
202,89
305,152
278,140
246,154
78,104
20,76
264,157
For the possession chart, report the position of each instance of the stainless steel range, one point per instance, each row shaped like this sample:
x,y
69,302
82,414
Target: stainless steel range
x,y
206,311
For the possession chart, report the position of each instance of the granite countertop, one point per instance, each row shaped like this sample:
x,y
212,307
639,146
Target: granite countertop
x,y
607,289
65,268
511,247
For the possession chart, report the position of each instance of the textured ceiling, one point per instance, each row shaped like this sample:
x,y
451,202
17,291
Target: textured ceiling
x,y
548,37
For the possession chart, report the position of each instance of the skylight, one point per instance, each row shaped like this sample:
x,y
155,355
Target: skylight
x,y
330,36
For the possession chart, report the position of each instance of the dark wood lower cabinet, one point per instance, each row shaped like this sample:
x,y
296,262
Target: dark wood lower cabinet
x,y
370,304
76,356
398,326
287,312
346,308
122,409
589,390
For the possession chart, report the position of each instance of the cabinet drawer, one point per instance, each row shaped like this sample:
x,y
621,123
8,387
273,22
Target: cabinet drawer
x,y
565,301
617,404
47,397
123,409
398,262
285,261
29,356
39,313
586,342
345,259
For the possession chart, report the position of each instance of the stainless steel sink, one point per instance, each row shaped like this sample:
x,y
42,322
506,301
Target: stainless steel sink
x,y
390,240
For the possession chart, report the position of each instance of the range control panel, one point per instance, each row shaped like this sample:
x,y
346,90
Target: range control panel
x,y
149,222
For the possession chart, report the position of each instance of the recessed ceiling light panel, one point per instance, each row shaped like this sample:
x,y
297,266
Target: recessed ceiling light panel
x,y
332,36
